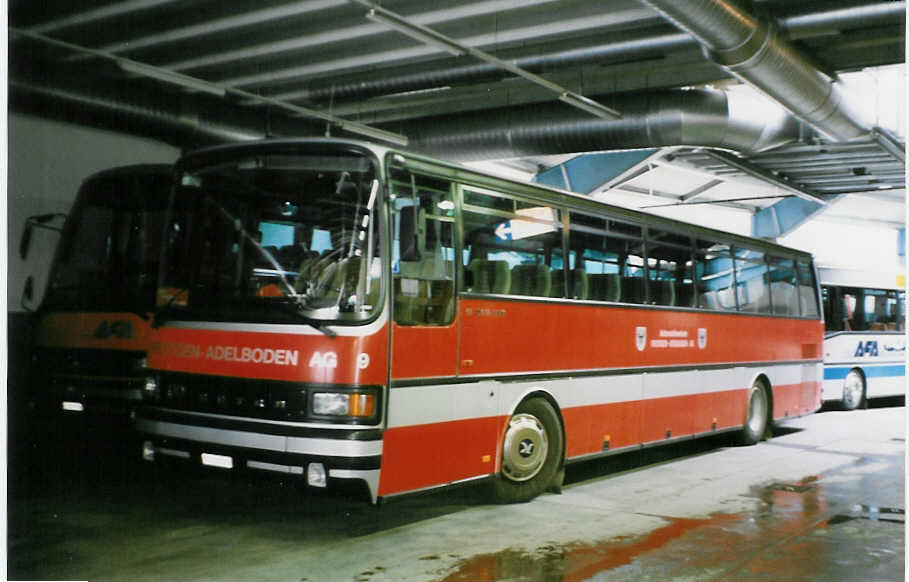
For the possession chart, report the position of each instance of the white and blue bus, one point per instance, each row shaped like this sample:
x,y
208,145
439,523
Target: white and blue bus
x,y
865,340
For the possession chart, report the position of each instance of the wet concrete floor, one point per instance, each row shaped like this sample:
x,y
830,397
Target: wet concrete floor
x,y
822,500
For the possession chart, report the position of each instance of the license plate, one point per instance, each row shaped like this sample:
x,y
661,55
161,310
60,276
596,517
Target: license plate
x,y
222,461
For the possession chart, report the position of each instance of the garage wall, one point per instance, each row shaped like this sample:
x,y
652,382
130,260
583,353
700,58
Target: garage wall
x,y
47,163
866,248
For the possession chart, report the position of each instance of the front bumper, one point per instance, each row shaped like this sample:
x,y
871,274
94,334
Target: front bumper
x,y
251,444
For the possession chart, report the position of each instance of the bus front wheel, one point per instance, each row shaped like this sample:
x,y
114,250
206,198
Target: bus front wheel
x,y
756,415
853,389
531,452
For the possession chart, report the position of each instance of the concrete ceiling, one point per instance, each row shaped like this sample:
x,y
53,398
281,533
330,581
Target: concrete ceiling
x,y
193,72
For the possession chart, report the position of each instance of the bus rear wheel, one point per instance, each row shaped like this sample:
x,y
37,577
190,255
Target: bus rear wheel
x,y
757,415
531,452
853,389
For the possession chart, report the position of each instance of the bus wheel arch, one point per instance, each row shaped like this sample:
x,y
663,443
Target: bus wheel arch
x,y
532,450
758,411
855,387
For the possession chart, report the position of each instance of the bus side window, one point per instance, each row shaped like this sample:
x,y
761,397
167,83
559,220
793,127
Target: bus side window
x,y
423,249
515,246
670,269
751,282
715,282
807,290
784,292
611,259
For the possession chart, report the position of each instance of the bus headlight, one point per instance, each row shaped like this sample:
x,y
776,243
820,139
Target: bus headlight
x,y
357,404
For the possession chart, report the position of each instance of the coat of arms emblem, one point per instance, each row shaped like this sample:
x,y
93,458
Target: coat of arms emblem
x,y
640,337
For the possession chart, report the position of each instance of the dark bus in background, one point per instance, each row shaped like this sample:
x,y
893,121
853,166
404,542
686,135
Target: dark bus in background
x,y
92,325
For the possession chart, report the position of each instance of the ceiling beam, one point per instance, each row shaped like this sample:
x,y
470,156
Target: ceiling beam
x,y
347,33
696,193
761,173
434,38
889,142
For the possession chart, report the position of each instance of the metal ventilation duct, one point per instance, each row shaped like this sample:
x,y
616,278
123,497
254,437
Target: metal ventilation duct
x,y
182,122
881,13
667,118
751,50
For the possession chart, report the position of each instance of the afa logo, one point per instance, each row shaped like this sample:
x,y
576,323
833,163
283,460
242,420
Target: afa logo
x,y
866,348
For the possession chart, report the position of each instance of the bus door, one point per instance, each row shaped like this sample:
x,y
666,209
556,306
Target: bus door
x,y
424,332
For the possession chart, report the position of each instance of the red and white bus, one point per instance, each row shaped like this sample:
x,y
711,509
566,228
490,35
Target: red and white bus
x,y
340,310
93,322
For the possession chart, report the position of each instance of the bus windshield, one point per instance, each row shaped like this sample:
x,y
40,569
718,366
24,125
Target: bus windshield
x,y
275,237
108,254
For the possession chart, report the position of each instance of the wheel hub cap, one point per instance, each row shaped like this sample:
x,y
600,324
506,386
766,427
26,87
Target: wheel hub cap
x,y
525,448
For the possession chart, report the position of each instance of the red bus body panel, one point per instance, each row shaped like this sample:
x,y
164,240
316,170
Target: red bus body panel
x,y
291,357
502,338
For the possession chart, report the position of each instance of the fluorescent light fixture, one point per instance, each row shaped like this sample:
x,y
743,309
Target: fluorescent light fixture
x,y
415,31
588,105
73,406
373,132
173,77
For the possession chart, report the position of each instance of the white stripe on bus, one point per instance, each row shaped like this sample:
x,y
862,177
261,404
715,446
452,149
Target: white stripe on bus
x,y
452,402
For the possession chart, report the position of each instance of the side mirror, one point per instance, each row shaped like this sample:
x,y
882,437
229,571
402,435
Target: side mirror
x,y
408,233
41,221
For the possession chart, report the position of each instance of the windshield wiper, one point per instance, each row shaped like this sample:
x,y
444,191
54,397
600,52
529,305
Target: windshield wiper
x,y
296,309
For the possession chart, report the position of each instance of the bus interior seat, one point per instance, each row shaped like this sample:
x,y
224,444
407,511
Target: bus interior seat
x,y
663,292
725,299
684,295
605,287
783,296
490,276
709,300
632,289
531,280
307,270
557,285
580,284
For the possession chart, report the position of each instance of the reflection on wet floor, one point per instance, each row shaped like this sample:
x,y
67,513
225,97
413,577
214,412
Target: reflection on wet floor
x,y
70,519
790,536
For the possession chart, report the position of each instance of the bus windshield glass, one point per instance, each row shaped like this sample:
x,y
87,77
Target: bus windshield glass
x,y
107,258
275,237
